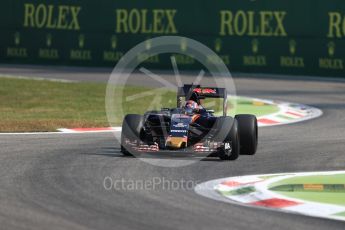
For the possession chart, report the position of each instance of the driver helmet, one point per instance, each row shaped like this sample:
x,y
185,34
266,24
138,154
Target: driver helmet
x,y
190,107
195,97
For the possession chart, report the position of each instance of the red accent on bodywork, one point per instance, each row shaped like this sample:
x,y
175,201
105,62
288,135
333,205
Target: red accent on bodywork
x,y
195,117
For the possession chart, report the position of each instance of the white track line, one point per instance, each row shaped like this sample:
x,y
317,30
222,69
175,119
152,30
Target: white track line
x,y
36,78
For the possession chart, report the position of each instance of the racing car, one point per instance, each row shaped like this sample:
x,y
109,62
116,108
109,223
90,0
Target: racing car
x,y
191,128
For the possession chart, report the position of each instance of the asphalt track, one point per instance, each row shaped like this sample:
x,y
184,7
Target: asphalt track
x,y
56,181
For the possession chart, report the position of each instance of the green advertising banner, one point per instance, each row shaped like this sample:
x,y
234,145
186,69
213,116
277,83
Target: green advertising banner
x,y
304,37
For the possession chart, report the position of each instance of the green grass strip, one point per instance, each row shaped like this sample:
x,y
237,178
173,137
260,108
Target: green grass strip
x,y
309,188
246,106
328,197
28,105
313,179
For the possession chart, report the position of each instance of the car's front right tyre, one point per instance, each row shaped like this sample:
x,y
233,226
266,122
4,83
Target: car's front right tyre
x,y
131,127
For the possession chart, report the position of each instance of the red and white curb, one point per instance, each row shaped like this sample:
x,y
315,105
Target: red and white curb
x,y
253,191
288,113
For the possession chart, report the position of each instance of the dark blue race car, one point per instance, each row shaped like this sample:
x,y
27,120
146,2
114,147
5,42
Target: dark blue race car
x,y
191,128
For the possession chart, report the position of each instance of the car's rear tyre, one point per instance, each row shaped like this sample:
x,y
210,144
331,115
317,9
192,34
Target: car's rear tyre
x,y
228,129
248,132
131,128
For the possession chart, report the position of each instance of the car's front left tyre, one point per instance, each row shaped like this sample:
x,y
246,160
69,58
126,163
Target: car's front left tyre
x,y
248,133
228,130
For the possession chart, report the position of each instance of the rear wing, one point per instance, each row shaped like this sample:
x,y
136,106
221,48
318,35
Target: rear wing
x,y
187,90
205,92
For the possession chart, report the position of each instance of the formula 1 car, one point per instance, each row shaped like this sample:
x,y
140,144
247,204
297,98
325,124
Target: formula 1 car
x,y
191,128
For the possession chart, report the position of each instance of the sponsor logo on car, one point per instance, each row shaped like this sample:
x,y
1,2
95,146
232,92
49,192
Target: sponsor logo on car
x,y
227,146
176,116
178,131
180,125
205,91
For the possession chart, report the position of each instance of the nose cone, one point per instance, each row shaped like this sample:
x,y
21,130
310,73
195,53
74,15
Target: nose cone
x,y
176,142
